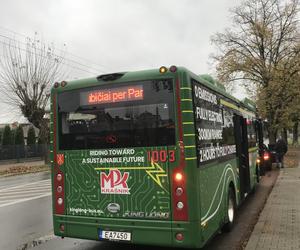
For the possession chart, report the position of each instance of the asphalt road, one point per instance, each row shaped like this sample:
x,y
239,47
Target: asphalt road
x,y
26,221
25,209
247,217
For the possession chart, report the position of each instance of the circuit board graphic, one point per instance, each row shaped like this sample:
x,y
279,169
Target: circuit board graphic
x,y
119,183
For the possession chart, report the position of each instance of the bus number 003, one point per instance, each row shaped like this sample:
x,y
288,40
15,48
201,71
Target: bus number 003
x,y
161,155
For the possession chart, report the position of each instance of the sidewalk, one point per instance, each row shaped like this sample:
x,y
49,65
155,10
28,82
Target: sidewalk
x,y
21,164
278,227
11,169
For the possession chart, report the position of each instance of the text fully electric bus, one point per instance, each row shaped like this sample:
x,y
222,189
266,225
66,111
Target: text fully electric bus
x,y
161,157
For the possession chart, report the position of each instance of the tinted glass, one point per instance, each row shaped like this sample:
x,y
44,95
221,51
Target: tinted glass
x,y
251,134
127,115
214,125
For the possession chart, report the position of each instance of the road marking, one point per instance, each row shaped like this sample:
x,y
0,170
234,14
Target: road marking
x,y
23,195
23,200
28,187
18,192
24,185
25,192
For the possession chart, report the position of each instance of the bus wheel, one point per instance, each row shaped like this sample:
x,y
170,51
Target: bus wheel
x,y
231,211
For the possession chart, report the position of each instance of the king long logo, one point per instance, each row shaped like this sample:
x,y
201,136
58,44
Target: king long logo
x,y
114,182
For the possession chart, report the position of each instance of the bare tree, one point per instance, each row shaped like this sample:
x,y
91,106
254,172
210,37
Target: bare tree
x,y
26,75
260,49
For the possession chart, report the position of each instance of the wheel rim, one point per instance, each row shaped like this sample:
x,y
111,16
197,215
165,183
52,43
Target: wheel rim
x,y
230,210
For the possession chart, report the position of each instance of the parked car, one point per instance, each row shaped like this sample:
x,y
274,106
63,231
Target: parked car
x,y
267,157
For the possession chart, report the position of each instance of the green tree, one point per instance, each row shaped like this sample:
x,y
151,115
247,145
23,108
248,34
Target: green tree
x,y
281,100
31,140
7,136
19,136
261,50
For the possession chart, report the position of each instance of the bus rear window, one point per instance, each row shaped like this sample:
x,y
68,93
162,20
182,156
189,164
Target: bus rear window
x,y
127,115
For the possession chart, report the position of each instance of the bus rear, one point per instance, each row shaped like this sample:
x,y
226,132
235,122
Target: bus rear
x,y
117,172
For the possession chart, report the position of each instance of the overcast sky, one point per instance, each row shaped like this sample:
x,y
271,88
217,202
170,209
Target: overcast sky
x,y
120,35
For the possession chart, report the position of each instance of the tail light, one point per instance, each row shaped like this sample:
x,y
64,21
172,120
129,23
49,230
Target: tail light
x,y
59,189
179,191
266,156
59,177
179,205
60,201
59,193
163,69
179,236
173,68
63,83
180,212
179,194
58,161
178,177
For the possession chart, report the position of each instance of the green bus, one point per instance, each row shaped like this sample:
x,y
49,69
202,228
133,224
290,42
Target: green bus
x,y
160,157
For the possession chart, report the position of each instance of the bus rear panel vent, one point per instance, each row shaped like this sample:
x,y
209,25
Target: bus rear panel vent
x,y
110,77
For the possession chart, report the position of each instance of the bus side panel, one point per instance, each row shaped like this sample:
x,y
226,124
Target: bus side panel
x,y
216,156
214,183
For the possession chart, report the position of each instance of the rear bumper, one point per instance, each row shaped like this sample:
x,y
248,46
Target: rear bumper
x,y
148,232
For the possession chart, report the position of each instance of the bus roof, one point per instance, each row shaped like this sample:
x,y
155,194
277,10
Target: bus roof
x,y
122,77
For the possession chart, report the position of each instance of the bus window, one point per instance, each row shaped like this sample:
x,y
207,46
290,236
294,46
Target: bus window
x,y
252,138
144,121
228,128
214,125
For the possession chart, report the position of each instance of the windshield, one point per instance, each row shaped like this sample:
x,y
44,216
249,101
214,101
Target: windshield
x,y
138,114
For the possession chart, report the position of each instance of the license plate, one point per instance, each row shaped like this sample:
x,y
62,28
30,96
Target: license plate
x,y
115,236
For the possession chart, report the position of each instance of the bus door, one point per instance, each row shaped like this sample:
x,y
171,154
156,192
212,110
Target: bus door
x,y
240,127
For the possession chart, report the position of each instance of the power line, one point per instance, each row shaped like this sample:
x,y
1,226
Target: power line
x,y
70,60
81,58
84,59
65,64
70,65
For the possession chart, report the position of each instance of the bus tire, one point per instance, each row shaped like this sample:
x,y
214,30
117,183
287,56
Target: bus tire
x,y
230,211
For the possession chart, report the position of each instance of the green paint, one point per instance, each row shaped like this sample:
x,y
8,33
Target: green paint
x,y
146,207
